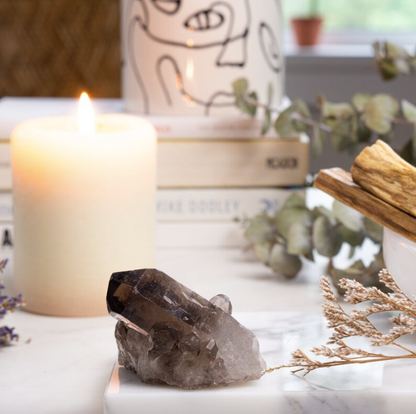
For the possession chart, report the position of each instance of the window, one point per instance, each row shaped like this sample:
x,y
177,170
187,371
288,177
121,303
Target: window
x,y
359,21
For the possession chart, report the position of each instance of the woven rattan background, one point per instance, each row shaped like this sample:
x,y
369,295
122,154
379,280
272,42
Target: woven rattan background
x,y
59,47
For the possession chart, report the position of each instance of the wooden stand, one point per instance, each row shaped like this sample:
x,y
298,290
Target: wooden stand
x,y
340,185
380,171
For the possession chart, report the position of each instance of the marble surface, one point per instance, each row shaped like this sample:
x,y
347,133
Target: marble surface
x,y
62,365
372,388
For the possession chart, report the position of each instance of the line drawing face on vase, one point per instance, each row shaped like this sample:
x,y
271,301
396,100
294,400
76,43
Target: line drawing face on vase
x,y
188,36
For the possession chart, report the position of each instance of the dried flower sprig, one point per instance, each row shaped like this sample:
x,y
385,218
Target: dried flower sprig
x,y
357,324
8,304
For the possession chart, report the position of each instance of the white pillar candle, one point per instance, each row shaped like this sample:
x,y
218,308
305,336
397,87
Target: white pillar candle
x,y
84,207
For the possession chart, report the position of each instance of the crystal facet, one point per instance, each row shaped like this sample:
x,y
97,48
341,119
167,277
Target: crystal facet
x,y
168,334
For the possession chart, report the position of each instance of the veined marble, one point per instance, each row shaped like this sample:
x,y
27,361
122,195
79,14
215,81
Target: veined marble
x,y
370,388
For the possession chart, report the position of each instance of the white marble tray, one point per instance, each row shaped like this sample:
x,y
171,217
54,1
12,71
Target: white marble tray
x,y
370,388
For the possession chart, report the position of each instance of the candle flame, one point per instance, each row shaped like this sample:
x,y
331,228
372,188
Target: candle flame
x,y
86,121
189,72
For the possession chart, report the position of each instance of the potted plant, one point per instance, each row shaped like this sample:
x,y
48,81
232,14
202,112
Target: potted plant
x,y
307,29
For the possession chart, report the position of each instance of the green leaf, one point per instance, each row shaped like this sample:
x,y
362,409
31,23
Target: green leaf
x,y
353,238
320,210
363,134
349,217
251,109
299,240
336,110
294,201
286,218
266,122
414,142
310,256
409,111
407,153
302,111
260,230
379,112
360,100
240,87
393,51
283,124
341,135
262,252
374,230
318,141
387,69
326,241
270,93
282,262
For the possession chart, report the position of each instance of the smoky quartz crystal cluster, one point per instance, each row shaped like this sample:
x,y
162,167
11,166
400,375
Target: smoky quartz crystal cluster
x,y
168,334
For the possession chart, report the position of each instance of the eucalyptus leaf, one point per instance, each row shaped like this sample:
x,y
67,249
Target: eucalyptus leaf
x,y
321,210
407,153
299,240
302,111
353,238
283,124
318,141
409,111
341,135
349,217
251,108
374,230
387,69
360,101
310,256
379,112
266,122
414,142
336,110
270,93
286,218
301,108
363,134
262,252
402,65
240,87
294,201
260,230
326,241
394,51
284,263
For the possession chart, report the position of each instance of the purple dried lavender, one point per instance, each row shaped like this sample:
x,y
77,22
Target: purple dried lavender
x,y
8,304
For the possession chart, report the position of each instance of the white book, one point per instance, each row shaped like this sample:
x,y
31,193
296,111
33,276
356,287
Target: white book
x,y
219,204
169,235
192,151
6,207
200,235
208,204
17,109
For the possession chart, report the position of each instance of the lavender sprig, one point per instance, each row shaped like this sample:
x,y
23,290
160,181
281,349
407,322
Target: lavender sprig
x,y
8,304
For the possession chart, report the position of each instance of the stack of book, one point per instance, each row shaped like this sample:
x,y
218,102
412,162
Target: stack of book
x,y
210,170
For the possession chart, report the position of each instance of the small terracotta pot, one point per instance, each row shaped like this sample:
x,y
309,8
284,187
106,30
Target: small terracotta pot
x,y
307,30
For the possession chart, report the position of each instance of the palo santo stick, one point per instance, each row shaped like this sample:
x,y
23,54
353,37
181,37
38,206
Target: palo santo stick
x,y
338,183
380,171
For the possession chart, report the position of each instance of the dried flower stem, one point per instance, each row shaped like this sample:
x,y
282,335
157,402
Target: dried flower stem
x,y
357,324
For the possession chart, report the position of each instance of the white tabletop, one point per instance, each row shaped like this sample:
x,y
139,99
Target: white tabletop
x,y
62,365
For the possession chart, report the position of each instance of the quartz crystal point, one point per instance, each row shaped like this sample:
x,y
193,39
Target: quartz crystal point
x,y
168,334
